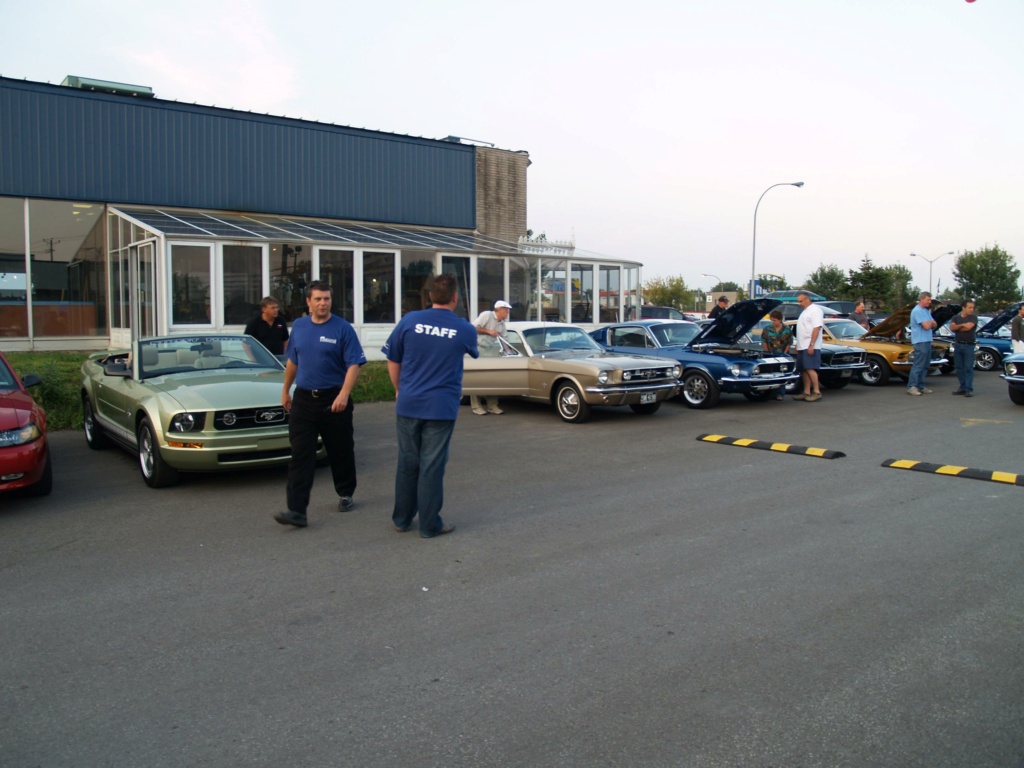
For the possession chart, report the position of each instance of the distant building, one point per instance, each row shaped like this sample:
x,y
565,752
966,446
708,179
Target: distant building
x,y
121,211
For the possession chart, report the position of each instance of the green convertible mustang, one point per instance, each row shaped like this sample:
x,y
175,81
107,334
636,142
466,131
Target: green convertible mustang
x,y
199,403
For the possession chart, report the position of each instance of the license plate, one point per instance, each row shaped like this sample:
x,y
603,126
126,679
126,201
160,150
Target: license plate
x,y
647,397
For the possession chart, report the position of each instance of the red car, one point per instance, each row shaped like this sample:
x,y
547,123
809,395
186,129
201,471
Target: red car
x,y
24,455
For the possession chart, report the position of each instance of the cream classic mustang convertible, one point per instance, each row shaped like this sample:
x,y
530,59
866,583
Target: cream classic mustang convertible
x,y
561,365
199,403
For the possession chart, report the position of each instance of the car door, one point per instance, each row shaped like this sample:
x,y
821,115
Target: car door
x,y
501,369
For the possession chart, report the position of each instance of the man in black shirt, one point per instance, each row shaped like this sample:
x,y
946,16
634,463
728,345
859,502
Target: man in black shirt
x,y
267,328
723,304
963,327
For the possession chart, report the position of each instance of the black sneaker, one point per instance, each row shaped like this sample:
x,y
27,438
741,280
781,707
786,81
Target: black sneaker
x,y
345,504
968,394
291,518
959,392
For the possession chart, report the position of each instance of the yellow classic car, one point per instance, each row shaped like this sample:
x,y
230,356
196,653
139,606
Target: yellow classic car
x,y
888,347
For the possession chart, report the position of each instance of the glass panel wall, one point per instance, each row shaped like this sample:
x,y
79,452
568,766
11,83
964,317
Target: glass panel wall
x,y
522,288
459,266
553,291
608,304
13,282
631,277
291,270
417,273
67,268
242,290
378,287
582,293
190,284
490,283
337,269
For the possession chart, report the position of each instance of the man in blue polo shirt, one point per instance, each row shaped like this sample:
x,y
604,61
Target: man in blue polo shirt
x,y
425,354
921,325
324,355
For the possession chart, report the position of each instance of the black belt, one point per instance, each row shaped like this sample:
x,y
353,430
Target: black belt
x,y
318,394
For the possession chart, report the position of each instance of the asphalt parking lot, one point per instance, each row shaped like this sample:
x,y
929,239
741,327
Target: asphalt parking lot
x,y
617,594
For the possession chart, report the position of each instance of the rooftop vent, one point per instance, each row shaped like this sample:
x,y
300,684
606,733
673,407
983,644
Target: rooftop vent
x,y
106,86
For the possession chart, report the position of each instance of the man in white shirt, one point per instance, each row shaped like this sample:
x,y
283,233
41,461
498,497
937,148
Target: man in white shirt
x,y
489,326
808,346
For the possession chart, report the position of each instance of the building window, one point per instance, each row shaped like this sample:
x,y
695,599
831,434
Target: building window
x,y
553,288
336,269
582,293
417,272
522,287
190,284
632,293
291,270
378,287
13,281
490,282
608,289
242,290
459,266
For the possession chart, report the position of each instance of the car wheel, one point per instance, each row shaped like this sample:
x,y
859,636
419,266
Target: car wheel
x,y
877,372
986,359
155,470
1017,395
570,404
645,409
95,437
699,390
836,383
45,484
759,397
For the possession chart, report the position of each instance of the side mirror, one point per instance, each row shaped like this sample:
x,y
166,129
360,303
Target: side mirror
x,y
31,380
116,368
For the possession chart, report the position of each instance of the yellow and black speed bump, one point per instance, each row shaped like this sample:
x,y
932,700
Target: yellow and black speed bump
x,y
745,442
954,471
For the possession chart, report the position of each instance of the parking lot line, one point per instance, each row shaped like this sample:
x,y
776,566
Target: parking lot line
x,y
953,470
748,442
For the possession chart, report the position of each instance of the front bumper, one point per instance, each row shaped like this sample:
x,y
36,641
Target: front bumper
x,y
203,452
22,465
739,384
620,394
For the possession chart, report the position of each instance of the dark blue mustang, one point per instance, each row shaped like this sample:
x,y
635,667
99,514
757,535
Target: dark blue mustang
x,y
713,362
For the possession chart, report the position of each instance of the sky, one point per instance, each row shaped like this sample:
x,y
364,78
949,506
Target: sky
x,y
653,128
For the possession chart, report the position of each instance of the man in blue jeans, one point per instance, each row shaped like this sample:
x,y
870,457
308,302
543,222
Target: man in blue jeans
x,y
963,327
921,326
425,354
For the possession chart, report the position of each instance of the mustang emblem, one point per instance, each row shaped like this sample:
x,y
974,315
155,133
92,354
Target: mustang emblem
x,y
270,416
230,419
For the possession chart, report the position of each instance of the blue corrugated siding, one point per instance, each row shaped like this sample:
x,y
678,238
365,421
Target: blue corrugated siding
x,y
58,142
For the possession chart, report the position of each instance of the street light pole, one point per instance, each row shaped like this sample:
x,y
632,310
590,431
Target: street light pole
x,y
930,262
753,255
712,288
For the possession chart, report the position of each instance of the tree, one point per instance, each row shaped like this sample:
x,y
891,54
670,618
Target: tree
x,y
989,275
829,281
773,282
669,292
899,291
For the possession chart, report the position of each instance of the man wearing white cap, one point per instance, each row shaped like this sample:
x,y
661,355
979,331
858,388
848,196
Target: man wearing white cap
x,y
490,325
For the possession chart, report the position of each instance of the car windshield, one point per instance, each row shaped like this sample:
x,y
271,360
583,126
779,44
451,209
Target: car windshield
x,y
161,357
675,334
552,338
846,329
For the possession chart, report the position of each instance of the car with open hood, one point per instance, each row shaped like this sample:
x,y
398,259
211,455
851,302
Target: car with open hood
x,y
714,361
196,403
561,365
839,363
993,338
888,347
24,453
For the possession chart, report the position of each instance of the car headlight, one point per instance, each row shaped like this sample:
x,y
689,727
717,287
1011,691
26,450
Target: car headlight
x,y
627,375
735,370
602,377
20,436
187,422
677,371
1011,369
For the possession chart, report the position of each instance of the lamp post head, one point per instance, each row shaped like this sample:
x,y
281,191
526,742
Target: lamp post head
x,y
797,183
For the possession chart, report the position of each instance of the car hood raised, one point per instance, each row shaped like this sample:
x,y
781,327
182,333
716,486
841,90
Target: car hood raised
x,y
729,327
211,391
900,319
1001,319
15,410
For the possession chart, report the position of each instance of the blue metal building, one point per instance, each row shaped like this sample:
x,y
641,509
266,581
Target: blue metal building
x,y
121,211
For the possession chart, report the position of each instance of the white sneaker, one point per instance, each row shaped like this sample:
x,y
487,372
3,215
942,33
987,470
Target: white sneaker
x,y
913,391
495,410
925,391
479,411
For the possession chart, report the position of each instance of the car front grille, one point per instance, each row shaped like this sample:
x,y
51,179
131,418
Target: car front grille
x,y
250,418
848,358
641,376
